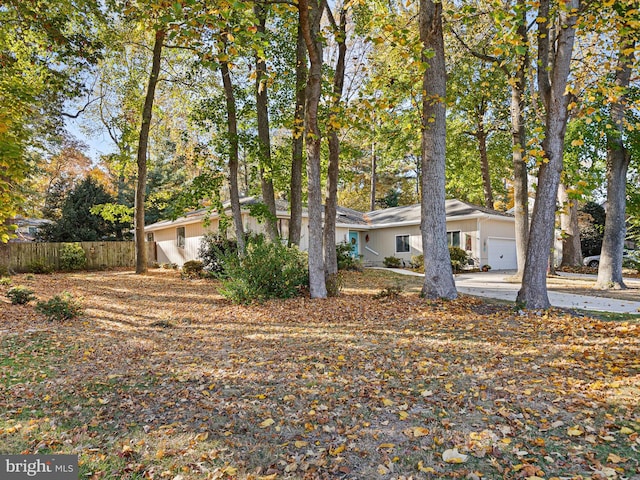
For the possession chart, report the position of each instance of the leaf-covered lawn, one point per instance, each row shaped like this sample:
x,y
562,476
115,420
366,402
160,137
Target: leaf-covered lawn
x,y
162,378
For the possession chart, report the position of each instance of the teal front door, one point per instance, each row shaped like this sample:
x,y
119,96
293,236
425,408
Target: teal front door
x,y
353,240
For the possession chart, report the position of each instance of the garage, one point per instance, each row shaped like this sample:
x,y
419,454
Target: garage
x,y
502,253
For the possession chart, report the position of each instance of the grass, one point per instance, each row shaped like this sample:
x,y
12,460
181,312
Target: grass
x,y
353,387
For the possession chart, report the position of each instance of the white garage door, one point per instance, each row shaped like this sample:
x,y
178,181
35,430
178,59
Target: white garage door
x,y
502,253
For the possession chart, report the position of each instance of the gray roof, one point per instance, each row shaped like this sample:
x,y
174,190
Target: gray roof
x,y
411,213
347,216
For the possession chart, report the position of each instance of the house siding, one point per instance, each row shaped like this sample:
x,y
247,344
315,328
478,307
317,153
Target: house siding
x,y
382,243
167,245
169,252
492,228
376,239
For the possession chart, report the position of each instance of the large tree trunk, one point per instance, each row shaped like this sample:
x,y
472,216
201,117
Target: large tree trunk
x,y
264,137
141,185
295,223
232,132
518,144
533,293
310,14
438,276
618,159
571,248
331,203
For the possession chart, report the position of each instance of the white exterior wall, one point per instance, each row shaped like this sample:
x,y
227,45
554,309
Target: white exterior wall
x,y
382,243
493,228
342,235
474,233
167,239
167,242
469,237
475,238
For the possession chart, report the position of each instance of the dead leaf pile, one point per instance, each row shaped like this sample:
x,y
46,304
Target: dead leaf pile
x,y
162,378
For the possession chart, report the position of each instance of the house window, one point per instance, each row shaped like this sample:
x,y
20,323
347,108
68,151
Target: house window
x,y
467,242
453,238
402,244
150,237
180,237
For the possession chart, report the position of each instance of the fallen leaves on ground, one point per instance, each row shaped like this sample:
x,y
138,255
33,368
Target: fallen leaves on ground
x,y
162,378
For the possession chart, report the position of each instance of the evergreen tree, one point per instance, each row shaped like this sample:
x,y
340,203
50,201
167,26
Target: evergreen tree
x,y
77,223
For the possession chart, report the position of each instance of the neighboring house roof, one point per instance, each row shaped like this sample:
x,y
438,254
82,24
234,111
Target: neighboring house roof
x,y
27,227
408,215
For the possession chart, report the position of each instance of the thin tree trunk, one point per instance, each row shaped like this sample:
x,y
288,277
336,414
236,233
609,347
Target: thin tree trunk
x,y
533,293
438,276
264,137
518,143
374,173
618,160
331,203
232,131
141,185
481,135
310,14
571,248
295,223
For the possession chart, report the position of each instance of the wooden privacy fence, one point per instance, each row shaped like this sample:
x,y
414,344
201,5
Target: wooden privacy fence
x,y
20,257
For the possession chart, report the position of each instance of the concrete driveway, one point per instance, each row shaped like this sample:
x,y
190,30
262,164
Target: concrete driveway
x,y
495,285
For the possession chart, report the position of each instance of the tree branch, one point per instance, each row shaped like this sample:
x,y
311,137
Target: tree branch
x,y
81,111
481,56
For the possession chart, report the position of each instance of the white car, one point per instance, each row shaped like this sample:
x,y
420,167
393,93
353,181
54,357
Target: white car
x,y
594,260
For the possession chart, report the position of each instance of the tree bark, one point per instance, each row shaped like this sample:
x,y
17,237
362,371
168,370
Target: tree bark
x,y
438,276
141,185
518,143
331,203
295,222
234,160
533,293
310,13
264,137
481,135
618,160
374,168
571,249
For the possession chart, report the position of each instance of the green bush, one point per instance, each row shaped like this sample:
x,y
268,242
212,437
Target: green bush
x,y
459,259
20,295
391,262
5,281
72,257
389,292
632,263
213,251
417,262
267,270
60,307
346,261
39,266
192,269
